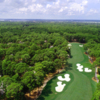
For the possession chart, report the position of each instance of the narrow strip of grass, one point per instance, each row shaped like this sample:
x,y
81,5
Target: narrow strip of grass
x,y
81,86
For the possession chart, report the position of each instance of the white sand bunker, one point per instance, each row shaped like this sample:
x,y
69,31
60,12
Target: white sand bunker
x,y
64,79
79,67
60,87
78,64
80,45
88,70
69,45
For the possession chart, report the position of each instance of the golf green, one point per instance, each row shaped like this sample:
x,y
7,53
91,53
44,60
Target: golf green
x,y
81,86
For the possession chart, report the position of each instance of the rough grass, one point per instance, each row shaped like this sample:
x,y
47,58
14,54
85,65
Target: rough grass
x,y
81,86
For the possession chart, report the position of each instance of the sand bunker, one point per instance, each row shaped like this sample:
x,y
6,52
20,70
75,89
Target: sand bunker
x,y
60,87
78,64
88,70
80,45
64,79
69,45
79,67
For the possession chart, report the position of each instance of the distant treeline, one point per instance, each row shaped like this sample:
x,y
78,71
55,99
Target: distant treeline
x,y
80,31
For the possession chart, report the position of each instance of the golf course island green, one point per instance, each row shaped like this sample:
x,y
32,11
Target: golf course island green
x,y
80,87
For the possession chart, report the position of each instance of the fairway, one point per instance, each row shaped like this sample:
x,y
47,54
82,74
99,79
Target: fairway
x,y
81,86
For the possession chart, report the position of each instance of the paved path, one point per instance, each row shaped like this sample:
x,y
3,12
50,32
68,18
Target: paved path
x,y
96,74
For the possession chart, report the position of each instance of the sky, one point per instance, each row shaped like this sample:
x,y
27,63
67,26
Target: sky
x,y
50,9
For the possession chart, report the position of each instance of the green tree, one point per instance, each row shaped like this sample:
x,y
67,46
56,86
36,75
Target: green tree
x,y
25,57
2,53
97,61
21,68
29,80
14,90
6,67
57,64
5,81
96,95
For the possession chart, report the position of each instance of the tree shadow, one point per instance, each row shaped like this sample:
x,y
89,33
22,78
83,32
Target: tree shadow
x,y
71,56
47,90
68,67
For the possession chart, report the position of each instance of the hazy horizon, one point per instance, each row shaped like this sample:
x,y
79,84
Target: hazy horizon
x,y
49,19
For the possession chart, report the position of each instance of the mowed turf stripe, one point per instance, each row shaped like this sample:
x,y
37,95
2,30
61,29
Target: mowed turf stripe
x,y
81,86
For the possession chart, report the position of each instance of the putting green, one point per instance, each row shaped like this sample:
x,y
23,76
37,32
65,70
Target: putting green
x,y
81,86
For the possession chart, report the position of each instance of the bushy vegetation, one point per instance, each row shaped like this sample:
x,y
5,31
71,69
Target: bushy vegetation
x,y
26,56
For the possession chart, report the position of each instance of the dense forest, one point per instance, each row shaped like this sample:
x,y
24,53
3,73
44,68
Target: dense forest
x,y
29,51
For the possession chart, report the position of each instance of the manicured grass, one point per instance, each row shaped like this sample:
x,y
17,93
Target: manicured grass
x,y
81,86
